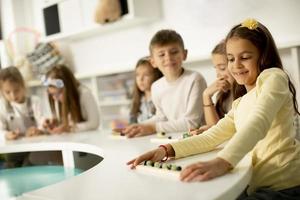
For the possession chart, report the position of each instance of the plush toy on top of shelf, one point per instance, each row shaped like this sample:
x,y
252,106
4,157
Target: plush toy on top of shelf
x,y
108,11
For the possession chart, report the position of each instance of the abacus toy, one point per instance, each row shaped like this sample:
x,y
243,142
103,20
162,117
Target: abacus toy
x,y
160,169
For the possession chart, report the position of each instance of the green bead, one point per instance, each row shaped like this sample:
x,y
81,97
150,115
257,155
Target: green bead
x,y
173,167
164,166
161,134
157,164
150,163
169,166
178,168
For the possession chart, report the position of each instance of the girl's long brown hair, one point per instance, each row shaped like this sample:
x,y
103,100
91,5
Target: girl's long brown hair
x,y
71,98
137,93
262,39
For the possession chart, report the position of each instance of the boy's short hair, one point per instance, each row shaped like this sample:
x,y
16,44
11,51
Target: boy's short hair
x,y
165,37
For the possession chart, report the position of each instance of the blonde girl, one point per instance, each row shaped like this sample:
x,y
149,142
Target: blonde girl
x,y
19,113
222,87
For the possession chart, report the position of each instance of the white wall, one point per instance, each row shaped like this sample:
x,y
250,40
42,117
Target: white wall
x,y
202,23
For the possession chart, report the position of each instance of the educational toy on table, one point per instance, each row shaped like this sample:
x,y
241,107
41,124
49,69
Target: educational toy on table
x,y
159,169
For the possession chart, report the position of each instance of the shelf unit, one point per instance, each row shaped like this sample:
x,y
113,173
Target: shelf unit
x,y
96,29
139,12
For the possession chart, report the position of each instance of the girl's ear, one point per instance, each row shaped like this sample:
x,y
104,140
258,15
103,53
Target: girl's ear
x,y
185,53
152,62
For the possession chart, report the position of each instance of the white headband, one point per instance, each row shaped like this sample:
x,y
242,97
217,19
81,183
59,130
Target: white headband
x,y
52,82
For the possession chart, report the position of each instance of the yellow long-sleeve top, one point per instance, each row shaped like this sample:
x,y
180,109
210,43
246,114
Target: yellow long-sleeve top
x,y
261,121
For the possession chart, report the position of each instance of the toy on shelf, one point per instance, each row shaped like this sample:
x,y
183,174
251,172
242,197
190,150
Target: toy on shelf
x,y
108,11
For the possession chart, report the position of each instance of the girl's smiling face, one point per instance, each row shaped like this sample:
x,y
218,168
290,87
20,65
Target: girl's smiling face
x,y
242,58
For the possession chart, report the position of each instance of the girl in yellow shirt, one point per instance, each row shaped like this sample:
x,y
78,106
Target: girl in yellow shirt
x,y
260,121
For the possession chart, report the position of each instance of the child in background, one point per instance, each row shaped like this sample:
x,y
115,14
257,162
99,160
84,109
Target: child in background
x,y
177,95
19,113
142,106
73,106
222,87
261,121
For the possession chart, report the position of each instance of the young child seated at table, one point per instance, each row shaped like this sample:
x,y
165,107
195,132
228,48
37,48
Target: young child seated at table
x,y
73,107
222,87
20,114
142,105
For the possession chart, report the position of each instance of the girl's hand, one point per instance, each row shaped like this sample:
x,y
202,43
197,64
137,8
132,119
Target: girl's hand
x,y
136,130
118,131
59,129
49,124
199,130
221,84
154,155
12,135
203,171
33,131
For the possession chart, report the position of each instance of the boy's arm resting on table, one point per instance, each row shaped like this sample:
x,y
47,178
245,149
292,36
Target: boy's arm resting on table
x,y
208,140
93,119
272,92
194,114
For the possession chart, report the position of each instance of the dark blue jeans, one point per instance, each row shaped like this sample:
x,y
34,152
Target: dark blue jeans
x,y
268,194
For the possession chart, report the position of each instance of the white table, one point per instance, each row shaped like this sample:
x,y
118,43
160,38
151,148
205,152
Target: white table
x,y
112,179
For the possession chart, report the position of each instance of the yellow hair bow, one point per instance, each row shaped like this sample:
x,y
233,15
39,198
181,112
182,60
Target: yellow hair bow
x,y
250,24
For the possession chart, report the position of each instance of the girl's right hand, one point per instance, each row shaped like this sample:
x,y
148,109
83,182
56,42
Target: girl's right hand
x,y
154,155
49,124
33,131
60,129
12,135
221,84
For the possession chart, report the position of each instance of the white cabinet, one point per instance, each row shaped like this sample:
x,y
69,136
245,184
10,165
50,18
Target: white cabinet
x,y
70,18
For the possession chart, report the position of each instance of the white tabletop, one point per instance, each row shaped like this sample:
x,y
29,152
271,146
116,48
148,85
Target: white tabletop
x,y
112,179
